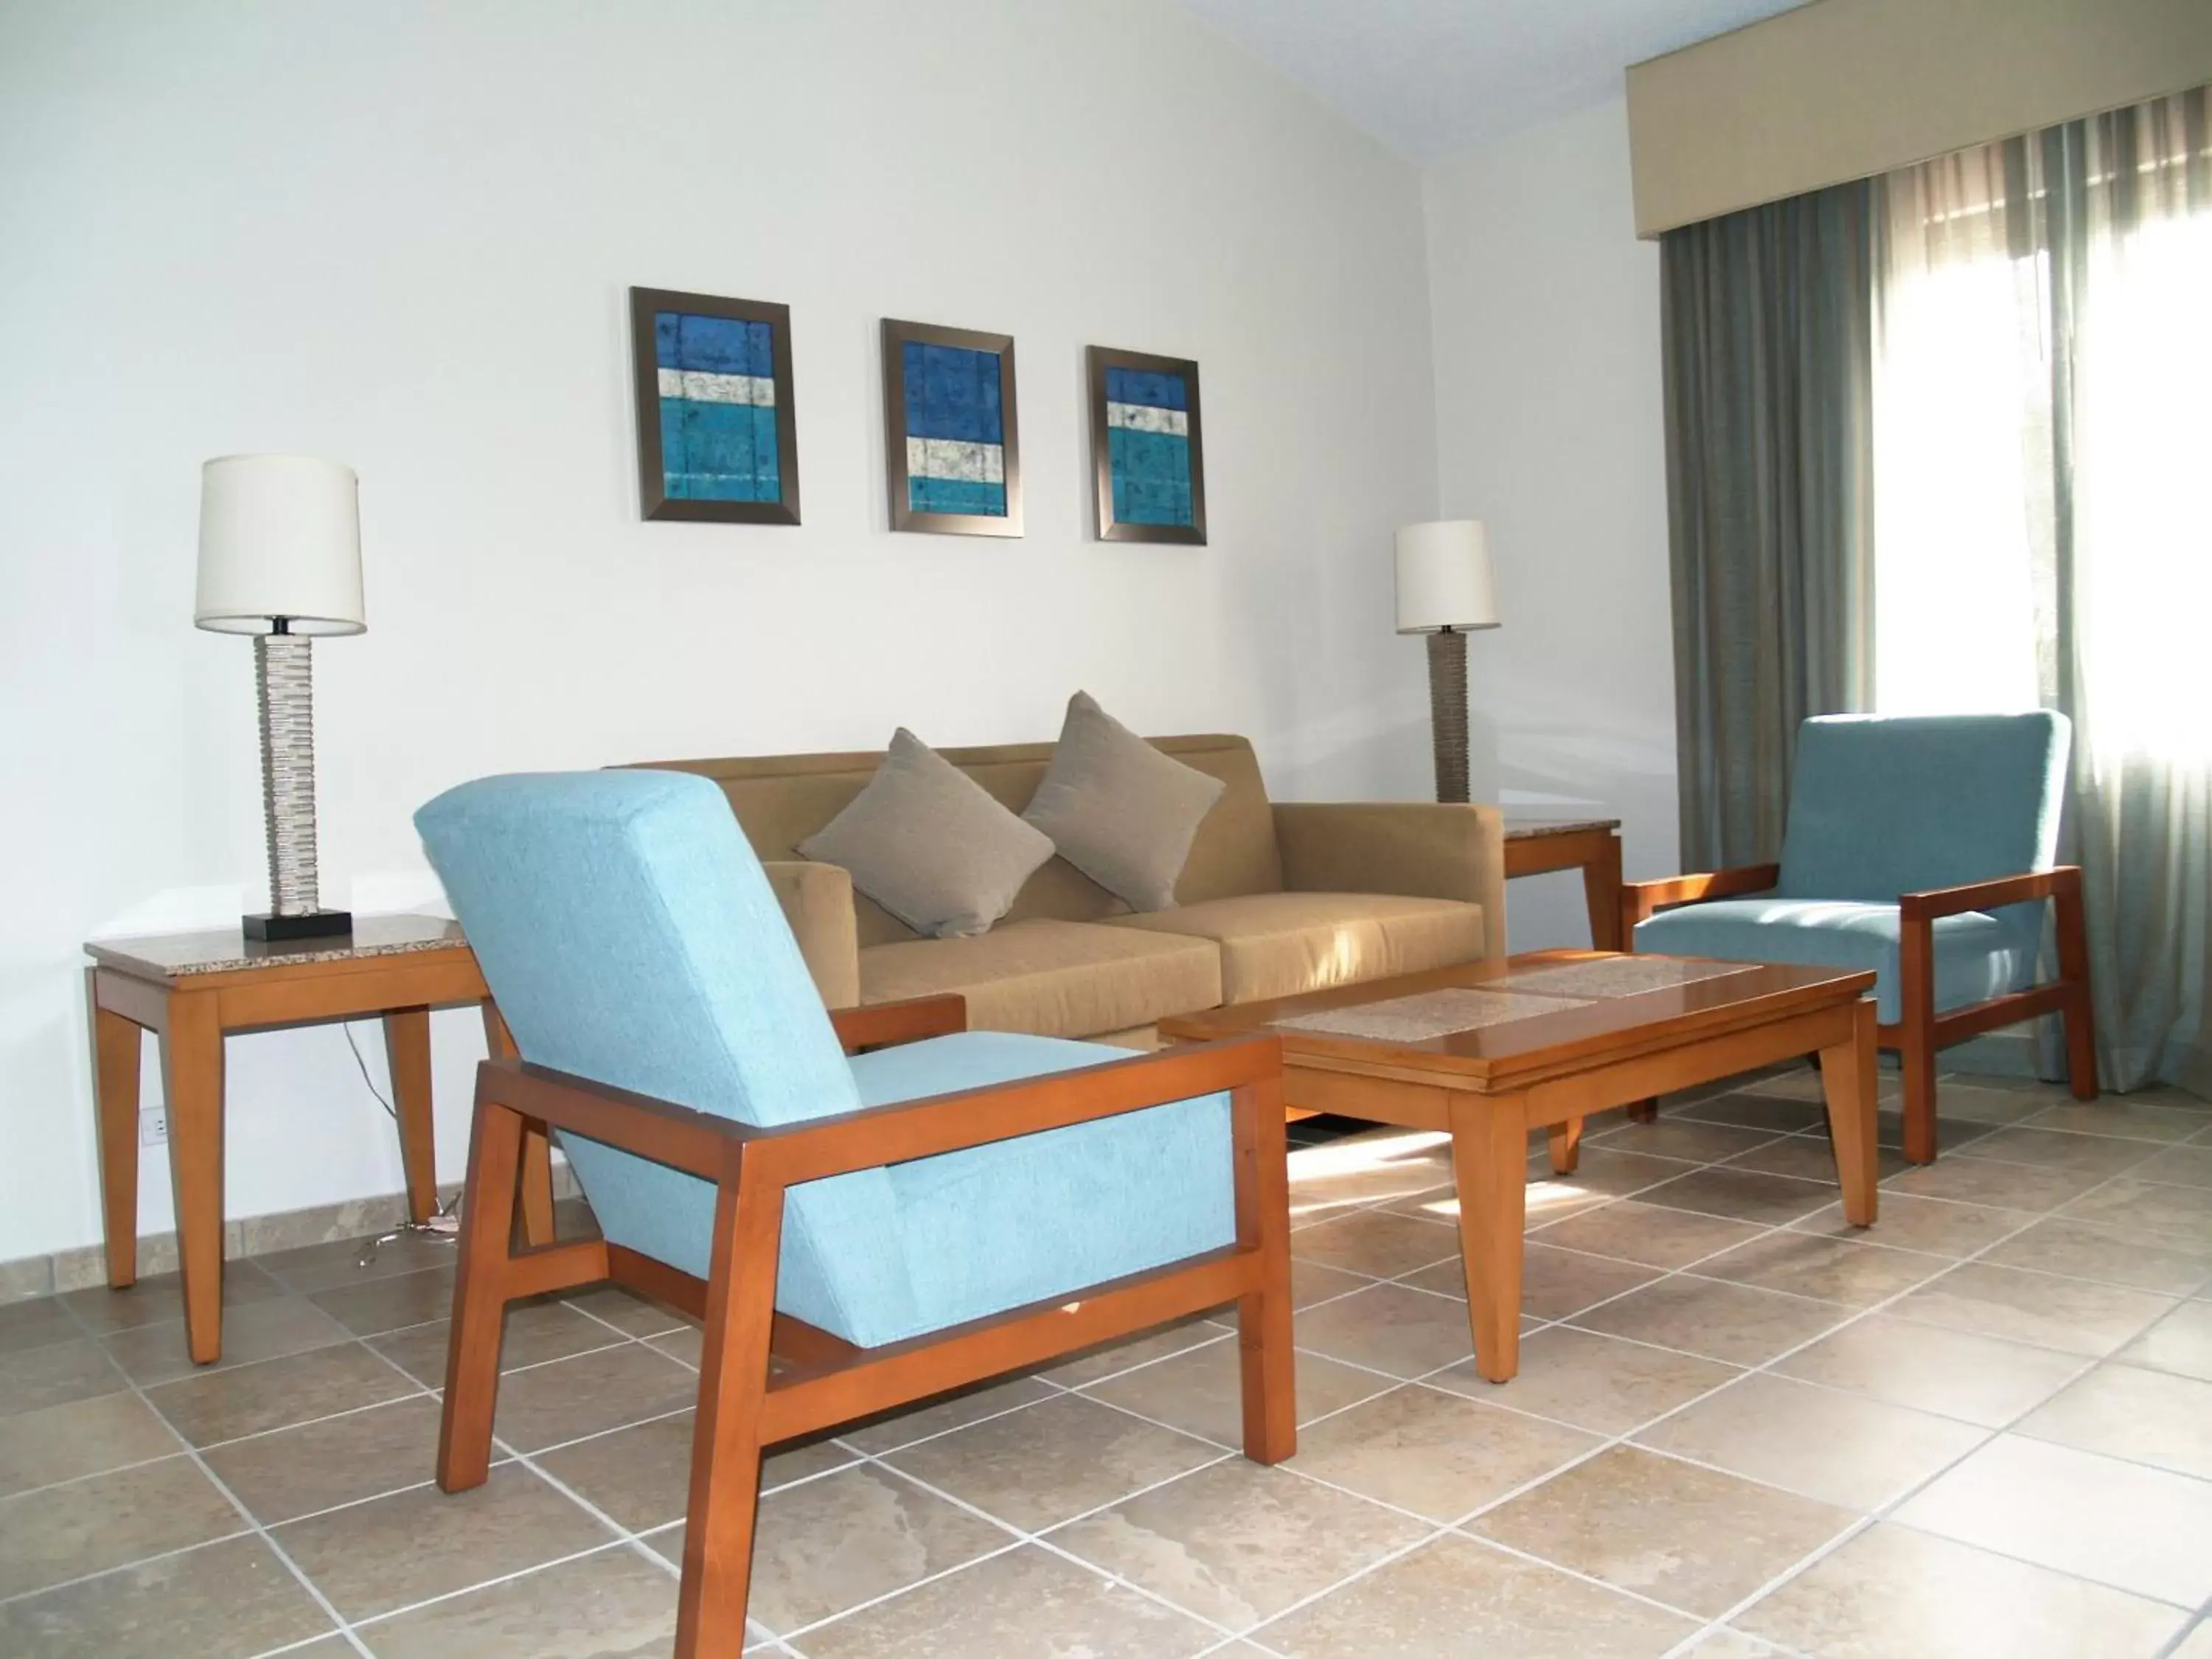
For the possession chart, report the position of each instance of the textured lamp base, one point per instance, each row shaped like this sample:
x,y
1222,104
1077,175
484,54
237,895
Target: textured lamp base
x,y
314,924
1448,711
284,679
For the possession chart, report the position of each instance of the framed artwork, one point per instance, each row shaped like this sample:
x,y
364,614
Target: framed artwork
x,y
951,450
1146,447
717,439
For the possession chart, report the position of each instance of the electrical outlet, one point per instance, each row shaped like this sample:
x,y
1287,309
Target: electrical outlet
x,y
154,1127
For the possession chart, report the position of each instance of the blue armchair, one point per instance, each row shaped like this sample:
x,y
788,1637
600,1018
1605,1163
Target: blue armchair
x,y
887,1225
1922,849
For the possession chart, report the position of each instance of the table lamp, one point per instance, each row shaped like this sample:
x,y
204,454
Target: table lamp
x,y
280,559
1444,589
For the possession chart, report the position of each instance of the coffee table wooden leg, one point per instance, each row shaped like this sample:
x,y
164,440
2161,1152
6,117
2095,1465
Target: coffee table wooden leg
x,y
1490,1155
1847,1078
192,1077
1566,1144
537,1177
407,1050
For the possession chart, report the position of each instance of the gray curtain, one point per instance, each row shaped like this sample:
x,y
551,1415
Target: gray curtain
x,y
2099,233
1766,319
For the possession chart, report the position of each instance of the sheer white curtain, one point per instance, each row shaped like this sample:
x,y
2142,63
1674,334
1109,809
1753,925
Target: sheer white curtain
x,y
2043,488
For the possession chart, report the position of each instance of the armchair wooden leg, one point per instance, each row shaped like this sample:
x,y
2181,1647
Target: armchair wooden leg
x,y
726,1445
479,1299
1643,1111
537,1152
1263,1317
2073,974
1916,1037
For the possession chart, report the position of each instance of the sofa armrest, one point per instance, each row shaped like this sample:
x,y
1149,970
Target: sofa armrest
x,y
1422,849
817,903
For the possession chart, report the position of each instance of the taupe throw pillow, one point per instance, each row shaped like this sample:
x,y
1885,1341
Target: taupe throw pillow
x,y
1118,808
928,843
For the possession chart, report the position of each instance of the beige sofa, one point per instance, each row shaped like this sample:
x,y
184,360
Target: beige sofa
x,y
1275,899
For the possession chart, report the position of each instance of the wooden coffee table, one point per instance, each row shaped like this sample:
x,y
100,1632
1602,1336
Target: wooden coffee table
x,y
1488,1051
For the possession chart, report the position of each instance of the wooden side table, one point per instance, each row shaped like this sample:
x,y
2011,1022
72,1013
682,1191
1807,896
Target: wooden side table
x,y
1536,846
193,989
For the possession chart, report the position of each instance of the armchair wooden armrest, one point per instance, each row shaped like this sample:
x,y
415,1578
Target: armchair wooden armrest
x,y
745,1406
880,1025
1641,900
2061,882
701,1143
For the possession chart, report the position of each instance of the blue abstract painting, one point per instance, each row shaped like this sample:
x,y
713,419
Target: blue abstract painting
x,y
956,436
718,415
1148,439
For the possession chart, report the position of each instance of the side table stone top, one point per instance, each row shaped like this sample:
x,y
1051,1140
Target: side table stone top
x,y
227,950
1519,828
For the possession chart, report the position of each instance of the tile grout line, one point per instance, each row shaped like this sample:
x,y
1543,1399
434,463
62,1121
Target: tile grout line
x,y
1883,1512
1852,1317
1391,1381
1625,1437
254,1524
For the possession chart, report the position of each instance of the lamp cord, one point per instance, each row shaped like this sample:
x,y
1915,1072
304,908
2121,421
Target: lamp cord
x,y
444,1224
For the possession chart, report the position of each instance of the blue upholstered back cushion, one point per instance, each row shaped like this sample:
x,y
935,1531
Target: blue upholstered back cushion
x,y
629,936
1885,805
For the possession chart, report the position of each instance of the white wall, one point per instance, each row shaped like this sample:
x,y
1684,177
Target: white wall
x,y
400,234
1549,427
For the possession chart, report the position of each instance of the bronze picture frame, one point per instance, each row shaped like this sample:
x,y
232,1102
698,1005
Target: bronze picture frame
x,y
978,425
1169,503
711,395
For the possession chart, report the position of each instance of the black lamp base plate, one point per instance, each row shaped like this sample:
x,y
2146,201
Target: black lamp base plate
x,y
316,924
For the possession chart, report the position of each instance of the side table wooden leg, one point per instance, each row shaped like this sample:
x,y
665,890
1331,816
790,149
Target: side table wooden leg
x,y
407,1051
537,1176
116,1050
192,1075
1847,1078
1490,1156
1602,895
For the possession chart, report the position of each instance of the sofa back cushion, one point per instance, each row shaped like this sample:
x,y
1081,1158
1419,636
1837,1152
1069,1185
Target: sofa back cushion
x,y
1881,806
782,799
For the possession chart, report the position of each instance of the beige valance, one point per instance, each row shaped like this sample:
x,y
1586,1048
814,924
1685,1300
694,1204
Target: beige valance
x,y
1844,89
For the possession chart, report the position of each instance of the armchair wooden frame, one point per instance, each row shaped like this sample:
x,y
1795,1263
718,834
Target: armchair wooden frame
x,y
1920,1030
822,1380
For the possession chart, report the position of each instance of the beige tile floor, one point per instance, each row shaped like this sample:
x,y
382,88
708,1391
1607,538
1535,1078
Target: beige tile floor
x,y
1985,1428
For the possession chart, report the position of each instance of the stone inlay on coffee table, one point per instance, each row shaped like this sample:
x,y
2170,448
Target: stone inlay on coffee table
x,y
1618,976
1427,1014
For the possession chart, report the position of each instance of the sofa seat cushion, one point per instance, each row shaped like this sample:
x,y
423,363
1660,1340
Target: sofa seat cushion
x,y
1279,944
1977,955
1051,978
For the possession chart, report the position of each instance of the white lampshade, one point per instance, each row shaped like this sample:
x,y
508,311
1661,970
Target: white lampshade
x,y
1443,577
280,537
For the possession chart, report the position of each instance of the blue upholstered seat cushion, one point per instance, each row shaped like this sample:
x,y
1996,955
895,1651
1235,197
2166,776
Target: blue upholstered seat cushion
x,y
938,1241
629,935
1977,955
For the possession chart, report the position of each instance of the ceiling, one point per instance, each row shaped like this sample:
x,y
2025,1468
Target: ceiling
x,y
1430,77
